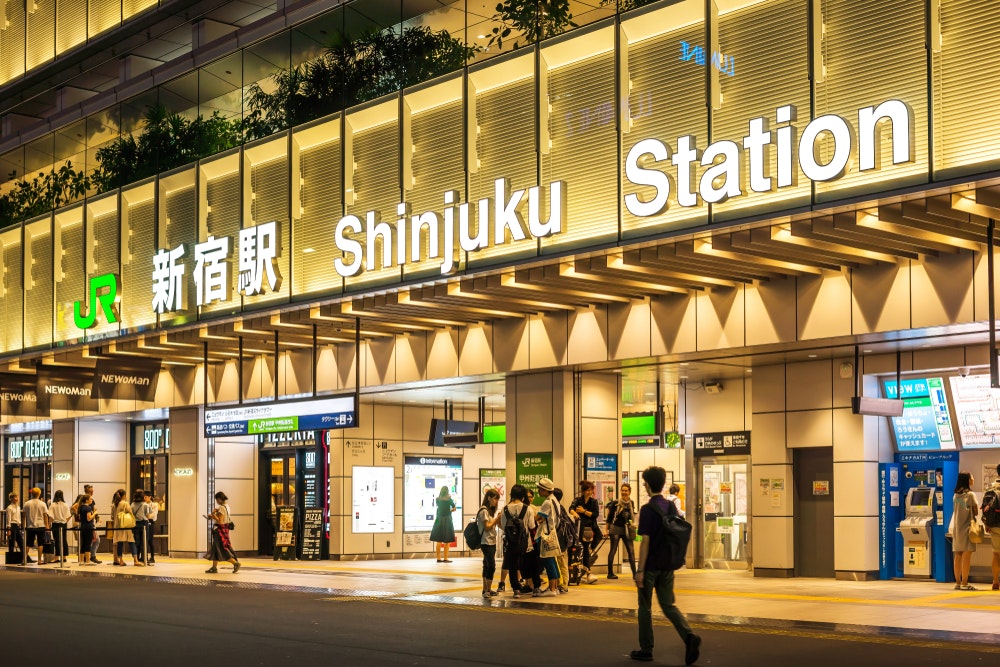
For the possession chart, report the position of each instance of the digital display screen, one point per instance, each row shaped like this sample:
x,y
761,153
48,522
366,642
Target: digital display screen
x,y
920,497
494,433
373,500
926,422
442,427
423,477
977,411
639,424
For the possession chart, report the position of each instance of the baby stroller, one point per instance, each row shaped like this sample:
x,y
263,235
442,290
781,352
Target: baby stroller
x,y
579,572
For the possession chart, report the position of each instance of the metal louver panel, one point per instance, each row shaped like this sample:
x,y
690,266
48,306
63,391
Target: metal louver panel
x,y
321,197
71,24
222,220
966,90
874,52
179,205
12,42
106,247
437,168
270,187
765,65
139,223
40,47
667,100
69,270
12,304
583,152
505,146
103,15
38,283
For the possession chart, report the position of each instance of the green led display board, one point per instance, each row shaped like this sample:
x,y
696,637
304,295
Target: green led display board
x,y
494,434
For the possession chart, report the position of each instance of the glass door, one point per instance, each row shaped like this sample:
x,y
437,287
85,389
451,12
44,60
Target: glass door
x,y
724,513
283,479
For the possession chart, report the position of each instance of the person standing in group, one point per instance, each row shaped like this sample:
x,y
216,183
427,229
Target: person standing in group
x,y
675,499
152,510
487,519
586,508
121,517
85,519
95,544
141,529
14,525
36,522
443,531
965,509
60,514
516,521
222,523
655,572
531,565
563,560
548,522
620,517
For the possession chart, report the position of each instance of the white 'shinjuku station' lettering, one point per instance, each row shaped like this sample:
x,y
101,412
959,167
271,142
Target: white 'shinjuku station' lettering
x,y
259,248
724,178
504,211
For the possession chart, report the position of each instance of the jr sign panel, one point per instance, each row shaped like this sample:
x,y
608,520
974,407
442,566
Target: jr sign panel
x,y
281,417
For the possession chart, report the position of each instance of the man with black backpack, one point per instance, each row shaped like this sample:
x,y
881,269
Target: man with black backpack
x,y
991,519
655,572
516,522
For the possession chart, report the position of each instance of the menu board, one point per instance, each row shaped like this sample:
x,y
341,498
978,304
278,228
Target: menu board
x,y
977,411
312,534
285,542
423,478
926,422
309,479
374,499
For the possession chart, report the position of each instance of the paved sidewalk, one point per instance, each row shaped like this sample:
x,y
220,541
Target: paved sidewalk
x,y
918,609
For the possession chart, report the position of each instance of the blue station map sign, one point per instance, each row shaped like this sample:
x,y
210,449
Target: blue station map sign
x,y
926,424
318,414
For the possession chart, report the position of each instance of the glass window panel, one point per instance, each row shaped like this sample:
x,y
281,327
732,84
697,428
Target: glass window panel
x,y
102,129
317,189
138,229
964,136
180,96
503,105
436,165
40,45
855,80
12,301
39,155
266,199
38,283
178,219
71,24
580,139
219,87
762,62
103,249
666,99
589,11
219,216
372,183
69,273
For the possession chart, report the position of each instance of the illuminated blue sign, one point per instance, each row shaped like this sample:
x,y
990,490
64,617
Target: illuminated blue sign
x,y
720,61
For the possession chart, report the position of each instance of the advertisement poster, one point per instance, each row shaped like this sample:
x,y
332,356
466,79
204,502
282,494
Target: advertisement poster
x,y
373,500
977,411
493,478
639,491
989,474
602,470
926,422
711,498
821,488
531,467
423,478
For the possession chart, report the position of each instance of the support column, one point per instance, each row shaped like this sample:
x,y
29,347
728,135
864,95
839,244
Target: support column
x,y
188,492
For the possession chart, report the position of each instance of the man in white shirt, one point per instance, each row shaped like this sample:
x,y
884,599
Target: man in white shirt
x,y
36,521
152,512
675,499
14,523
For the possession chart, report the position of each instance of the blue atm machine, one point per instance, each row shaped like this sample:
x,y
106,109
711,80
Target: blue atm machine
x,y
915,495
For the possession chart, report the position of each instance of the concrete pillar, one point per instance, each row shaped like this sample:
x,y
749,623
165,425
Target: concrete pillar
x,y
188,486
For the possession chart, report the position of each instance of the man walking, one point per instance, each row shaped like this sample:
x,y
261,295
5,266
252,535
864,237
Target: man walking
x,y
655,572
36,521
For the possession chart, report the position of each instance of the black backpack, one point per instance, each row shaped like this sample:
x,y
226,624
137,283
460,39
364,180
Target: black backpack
x,y
566,530
991,509
473,536
515,535
674,536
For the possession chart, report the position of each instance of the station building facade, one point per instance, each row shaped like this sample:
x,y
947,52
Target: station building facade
x,y
732,215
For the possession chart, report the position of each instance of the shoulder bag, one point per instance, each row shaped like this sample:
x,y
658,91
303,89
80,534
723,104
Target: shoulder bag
x,y
550,542
975,532
125,518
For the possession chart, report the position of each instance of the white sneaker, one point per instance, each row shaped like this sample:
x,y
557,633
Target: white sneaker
x,y
591,579
547,594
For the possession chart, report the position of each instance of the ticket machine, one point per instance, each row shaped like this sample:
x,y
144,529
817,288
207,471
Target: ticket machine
x,y
915,529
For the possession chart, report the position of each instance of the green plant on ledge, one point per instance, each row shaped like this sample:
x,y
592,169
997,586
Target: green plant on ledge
x,y
531,20
43,193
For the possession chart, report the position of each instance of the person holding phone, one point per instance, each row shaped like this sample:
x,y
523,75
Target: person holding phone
x,y
222,548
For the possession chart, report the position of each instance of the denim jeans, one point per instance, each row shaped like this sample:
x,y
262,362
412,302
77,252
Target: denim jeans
x,y
663,584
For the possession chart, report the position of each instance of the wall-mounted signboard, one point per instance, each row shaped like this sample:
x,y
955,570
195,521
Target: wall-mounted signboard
x,y
728,443
332,412
926,421
423,478
29,447
977,411
373,501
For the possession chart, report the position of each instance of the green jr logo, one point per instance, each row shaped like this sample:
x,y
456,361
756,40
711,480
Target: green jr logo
x,y
104,291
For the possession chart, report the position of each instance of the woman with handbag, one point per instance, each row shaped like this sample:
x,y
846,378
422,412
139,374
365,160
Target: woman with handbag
x,y
621,528
964,520
586,508
122,523
487,519
222,548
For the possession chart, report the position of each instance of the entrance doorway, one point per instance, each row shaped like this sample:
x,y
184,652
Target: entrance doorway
x,y
21,477
813,523
724,513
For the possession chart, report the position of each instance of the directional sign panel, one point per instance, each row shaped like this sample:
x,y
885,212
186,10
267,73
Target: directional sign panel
x,y
283,416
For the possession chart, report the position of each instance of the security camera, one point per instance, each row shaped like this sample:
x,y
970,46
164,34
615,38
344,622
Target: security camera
x,y
964,371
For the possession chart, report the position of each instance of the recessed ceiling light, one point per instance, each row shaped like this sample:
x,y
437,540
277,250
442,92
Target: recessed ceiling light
x,y
684,363
481,36
812,356
866,351
684,377
749,370
308,250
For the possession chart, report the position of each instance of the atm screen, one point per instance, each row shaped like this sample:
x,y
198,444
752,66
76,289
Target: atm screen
x,y
920,497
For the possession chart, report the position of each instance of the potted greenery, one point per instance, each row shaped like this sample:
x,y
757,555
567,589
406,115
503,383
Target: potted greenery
x,y
532,20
